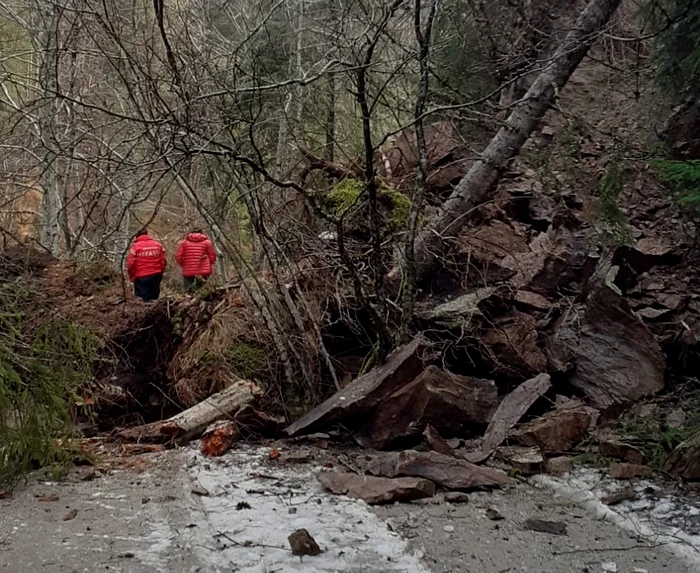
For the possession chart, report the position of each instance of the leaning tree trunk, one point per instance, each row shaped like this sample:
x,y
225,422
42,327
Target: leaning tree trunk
x,y
481,179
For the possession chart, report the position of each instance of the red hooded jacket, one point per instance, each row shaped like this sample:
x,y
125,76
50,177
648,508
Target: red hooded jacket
x,y
146,257
196,255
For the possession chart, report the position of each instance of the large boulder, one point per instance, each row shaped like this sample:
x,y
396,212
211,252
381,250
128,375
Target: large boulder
x,y
612,357
359,398
452,404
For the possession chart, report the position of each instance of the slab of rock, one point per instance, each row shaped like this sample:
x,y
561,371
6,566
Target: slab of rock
x,y
376,490
437,443
544,526
443,470
618,359
462,310
365,393
559,466
613,448
513,348
452,404
555,432
302,543
684,460
629,471
510,410
528,461
456,497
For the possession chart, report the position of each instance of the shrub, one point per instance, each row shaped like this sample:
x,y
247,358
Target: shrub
x,y
43,364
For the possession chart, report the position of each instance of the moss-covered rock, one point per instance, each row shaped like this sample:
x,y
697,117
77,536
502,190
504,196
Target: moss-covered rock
x,y
394,206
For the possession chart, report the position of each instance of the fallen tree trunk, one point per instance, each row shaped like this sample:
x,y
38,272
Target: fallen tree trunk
x,y
194,421
481,179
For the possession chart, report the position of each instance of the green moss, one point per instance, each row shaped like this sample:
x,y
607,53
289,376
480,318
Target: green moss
x,y
401,207
246,360
346,193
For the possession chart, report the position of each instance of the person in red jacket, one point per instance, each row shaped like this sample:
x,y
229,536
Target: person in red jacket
x,y
196,255
145,266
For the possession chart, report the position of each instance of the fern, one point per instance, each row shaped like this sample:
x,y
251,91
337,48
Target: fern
x,y
611,187
684,177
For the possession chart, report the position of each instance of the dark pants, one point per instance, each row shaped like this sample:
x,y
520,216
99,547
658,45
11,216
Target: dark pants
x,y
148,288
193,283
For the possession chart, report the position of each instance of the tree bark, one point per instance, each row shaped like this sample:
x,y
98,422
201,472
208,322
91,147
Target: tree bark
x,y
192,422
50,204
482,178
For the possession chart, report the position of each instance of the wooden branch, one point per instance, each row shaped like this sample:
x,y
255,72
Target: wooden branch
x,y
191,423
332,169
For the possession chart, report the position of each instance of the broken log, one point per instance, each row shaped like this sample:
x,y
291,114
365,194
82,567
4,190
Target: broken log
x,y
366,392
193,421
443,470
376,490
452,404
509,412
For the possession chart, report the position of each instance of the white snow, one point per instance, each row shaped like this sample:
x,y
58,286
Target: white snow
x,y
652,520
282,499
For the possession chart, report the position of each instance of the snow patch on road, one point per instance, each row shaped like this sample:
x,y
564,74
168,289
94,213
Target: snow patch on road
x,y
282,499
651,517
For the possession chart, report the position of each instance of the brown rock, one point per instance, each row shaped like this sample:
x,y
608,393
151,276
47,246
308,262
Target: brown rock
x,y
509,412
618,360
629,471
650,313
302,543
556,431
450,403
528,461
456,497
684,460
376,490
437,443
612,448
559,465
443,470
363,394
218,438
513,345
615,498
